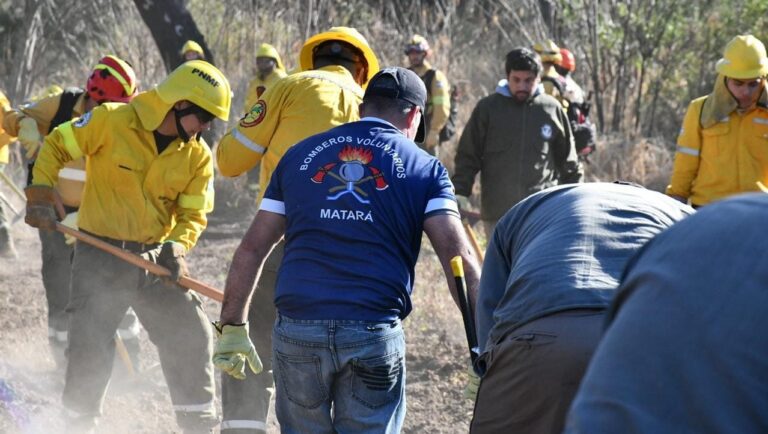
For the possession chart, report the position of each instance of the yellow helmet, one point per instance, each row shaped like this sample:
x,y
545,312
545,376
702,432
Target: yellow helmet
x,y
192,46
548,51
266,50
344,34
417,43
744,57
200,83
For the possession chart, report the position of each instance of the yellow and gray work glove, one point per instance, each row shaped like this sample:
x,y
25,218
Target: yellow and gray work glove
x,y
171,256
41,213
70,221
29,136
473,383
234,349
463,202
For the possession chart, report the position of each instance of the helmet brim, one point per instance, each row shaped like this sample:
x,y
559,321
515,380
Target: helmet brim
x,y
729,70
305,57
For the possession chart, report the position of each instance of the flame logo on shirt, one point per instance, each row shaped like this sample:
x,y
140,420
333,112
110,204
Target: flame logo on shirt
x,y
352,166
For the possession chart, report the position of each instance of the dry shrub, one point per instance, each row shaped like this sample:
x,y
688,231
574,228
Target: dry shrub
x,y
645,161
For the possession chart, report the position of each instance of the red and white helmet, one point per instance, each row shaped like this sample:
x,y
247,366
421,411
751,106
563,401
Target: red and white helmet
x,y
568,62
112,80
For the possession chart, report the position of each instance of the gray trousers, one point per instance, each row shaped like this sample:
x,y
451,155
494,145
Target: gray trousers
x,y
245,403
57,265
56,272
533,373
103,287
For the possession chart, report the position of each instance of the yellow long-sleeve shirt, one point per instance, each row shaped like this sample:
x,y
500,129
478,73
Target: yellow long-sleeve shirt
x,y
72,175
5,138
439,103
727,158
296,107
257,87
131,192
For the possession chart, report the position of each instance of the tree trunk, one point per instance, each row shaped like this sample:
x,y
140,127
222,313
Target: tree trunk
x,y
548,16
639,98
24,58
621,80
171,26
593,39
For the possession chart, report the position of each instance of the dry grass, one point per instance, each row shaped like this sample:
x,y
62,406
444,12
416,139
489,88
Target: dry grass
x,y
645,161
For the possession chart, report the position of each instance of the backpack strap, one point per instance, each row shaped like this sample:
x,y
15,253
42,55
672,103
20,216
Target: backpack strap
x,y
555,82
428,78
66,107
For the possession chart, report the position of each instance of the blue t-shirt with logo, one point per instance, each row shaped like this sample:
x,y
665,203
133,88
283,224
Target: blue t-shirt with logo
x,y
355,199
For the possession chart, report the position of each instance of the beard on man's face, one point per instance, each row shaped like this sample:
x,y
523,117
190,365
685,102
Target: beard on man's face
x,y
522,95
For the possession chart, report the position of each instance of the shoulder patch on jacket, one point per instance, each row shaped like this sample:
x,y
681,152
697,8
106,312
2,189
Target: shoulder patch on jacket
x,y
546,131
255,115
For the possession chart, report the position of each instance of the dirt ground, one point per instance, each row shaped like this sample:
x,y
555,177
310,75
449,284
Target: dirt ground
x,y
31,385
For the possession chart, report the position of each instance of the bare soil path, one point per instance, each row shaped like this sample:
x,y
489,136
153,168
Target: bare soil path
x,y
31,385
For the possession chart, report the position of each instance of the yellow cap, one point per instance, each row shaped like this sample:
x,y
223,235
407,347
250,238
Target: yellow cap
x,y
192,46
744,57
344,34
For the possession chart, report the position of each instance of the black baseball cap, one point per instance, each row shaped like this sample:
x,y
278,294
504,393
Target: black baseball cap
x,y
401,83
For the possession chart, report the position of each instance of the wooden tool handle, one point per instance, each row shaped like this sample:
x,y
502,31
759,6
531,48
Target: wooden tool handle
x,y
159,270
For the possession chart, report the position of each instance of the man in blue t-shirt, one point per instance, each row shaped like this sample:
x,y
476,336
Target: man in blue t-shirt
x,y
352,203
551,269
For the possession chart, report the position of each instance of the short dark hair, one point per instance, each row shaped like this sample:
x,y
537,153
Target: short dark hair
x,y
386,107
523,59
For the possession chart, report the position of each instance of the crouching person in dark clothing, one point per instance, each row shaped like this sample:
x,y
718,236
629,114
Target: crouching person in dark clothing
x,y
686,349
551,269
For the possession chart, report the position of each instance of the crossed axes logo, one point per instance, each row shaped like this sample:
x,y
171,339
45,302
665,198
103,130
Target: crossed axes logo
x,y
351,172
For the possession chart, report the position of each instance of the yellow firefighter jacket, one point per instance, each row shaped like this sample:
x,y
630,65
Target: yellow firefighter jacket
x,y
131,192
5,138
257,87
726,158
298,106
439,103
71,177
550,88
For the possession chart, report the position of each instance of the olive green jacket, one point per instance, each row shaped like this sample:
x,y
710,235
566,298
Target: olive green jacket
x,y
518,148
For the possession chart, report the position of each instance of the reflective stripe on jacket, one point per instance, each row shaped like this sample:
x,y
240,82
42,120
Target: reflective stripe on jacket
x,y
298,106
132,193
727,158
70,185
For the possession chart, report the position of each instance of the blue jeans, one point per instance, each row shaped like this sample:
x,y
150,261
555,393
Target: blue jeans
x,y
339,376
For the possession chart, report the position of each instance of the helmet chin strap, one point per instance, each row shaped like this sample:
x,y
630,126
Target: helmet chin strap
x,y
178,114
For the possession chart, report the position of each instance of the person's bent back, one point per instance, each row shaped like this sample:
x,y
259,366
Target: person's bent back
x,y
550,271
687,351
